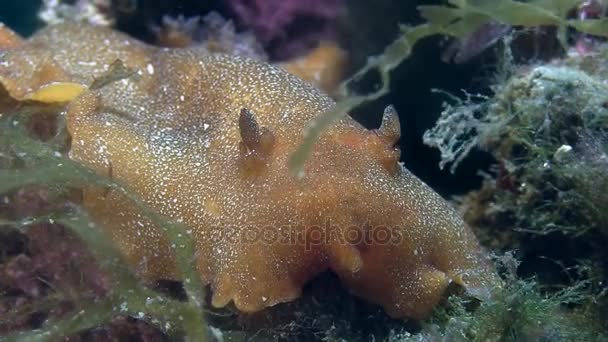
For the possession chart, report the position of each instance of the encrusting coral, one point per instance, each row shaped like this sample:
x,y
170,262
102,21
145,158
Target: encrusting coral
x,y
204,139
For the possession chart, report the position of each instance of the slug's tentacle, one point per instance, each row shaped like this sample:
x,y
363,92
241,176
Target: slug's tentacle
x,y
390,129
256,142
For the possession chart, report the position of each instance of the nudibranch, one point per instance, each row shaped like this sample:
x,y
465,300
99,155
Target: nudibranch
x,y
204,139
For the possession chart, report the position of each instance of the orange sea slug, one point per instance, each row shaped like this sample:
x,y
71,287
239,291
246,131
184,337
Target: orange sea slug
x,y
204,139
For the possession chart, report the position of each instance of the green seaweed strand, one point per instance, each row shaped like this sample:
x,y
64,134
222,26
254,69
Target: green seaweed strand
x,y
458,19
127,296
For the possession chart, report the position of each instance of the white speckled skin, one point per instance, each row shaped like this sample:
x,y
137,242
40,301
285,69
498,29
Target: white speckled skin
x,y
172,135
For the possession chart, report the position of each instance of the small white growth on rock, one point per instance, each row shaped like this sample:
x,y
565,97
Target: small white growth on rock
x,y
562,151
94,12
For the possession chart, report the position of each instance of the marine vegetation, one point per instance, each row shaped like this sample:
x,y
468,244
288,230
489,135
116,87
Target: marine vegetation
x,y
119,291
545,125
460,19
519,311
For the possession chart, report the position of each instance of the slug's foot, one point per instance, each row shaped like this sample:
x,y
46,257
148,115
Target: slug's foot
x,y
250,293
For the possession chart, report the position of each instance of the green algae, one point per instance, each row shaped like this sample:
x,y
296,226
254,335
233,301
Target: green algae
x,y
546,126
547,130
458,19
518,311
28,162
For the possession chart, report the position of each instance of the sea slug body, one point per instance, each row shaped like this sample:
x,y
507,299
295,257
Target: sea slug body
x,y
204,139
